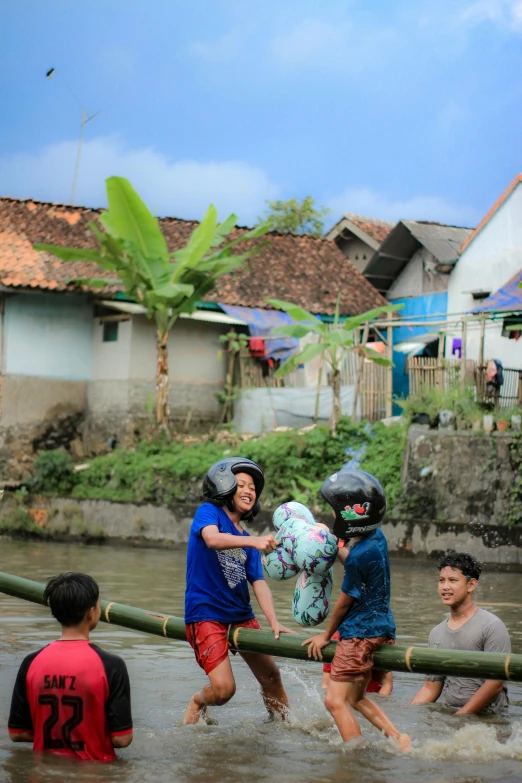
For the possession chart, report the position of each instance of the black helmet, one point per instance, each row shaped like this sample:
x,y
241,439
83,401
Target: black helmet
x,y
358,500
220,483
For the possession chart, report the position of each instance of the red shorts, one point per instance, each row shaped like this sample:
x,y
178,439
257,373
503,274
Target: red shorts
x,y
374,686
209,640
353,658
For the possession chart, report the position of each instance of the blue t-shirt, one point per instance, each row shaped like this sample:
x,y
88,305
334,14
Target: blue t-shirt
x,y
217,581
367,579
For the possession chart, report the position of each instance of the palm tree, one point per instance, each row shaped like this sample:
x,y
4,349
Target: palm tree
x,y
134,252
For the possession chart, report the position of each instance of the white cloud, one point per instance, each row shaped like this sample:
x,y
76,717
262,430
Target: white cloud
x,y
505,13
179,188
308,40
219,49
365,201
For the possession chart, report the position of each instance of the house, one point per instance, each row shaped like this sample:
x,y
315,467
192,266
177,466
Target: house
x,y
489,259
412,268
66,349
358,237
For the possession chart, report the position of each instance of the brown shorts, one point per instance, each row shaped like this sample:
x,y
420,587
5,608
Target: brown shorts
x,y
353,659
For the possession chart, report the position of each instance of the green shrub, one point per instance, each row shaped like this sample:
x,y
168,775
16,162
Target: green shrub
x,y
295,464
54,473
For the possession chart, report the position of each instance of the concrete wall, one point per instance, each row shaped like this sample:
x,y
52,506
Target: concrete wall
x,y
418,277
48,336
123,377
47,350
461,477
356,251
145,524
491,259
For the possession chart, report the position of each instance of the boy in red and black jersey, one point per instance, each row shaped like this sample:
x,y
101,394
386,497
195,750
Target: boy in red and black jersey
x,y
71,697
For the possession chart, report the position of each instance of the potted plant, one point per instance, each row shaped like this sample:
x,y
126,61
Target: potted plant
x,y
501,421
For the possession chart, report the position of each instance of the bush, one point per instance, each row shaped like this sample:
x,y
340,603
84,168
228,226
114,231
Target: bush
x,y
295,464
54,473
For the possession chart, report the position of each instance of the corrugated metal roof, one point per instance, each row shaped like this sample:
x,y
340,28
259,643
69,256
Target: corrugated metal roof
x,y
443,241
507,299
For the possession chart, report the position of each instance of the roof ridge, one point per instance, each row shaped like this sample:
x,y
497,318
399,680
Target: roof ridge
x,y
489,214
367,218
165,218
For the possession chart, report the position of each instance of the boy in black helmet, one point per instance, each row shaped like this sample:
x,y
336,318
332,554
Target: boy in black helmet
x,y
222,559
362,613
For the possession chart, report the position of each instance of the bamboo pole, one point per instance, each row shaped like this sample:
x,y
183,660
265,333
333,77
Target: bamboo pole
x,y
389,373
463,354
492,666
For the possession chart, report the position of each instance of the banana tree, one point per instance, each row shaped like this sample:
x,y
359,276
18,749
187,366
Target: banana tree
x,y
134,253
330,343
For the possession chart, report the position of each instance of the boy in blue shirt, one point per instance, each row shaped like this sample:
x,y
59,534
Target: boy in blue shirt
x,y
362,614
222,559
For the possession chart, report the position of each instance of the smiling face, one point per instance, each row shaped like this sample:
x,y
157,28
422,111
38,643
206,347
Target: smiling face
x,y
245,494
455,588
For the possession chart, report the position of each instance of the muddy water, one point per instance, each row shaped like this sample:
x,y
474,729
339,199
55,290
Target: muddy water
x,y
242,747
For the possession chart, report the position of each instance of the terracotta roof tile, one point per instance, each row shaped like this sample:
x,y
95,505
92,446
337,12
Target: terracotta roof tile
x,y
498,203
377,229
307,271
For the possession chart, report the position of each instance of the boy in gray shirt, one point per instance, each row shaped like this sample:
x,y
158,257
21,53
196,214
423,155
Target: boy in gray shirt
x,y
467,628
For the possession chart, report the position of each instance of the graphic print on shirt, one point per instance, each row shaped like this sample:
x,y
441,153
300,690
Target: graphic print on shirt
x,y
232,562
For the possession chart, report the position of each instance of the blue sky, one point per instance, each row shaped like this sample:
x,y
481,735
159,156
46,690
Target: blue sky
x,y
394,108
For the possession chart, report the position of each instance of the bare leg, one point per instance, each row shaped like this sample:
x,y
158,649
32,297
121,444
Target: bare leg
x,y
336,703
266,672
325,680
221,689
386,681
341,696
373,713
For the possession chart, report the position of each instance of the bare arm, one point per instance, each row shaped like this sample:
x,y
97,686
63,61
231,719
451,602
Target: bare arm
x,y
482,698
342,554
21,736
340,610
429,692
216,540
265,600
122,740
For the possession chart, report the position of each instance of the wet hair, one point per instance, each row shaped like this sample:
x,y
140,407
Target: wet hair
x,y
70,596
465,563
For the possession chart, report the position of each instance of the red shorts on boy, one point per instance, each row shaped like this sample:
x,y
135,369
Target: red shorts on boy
x,y
353,658
209,640
374,686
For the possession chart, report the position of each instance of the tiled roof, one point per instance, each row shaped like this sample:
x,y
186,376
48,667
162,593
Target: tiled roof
x,y
307,271
377,229
498,203
368,229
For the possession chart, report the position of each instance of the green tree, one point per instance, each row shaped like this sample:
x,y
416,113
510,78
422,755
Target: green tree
x,y
296,217
133,249
330,343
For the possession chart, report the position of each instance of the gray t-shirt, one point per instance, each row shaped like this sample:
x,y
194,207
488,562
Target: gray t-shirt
x,y
485,632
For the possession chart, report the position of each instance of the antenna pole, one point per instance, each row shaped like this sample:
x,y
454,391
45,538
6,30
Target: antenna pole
x,y
78,155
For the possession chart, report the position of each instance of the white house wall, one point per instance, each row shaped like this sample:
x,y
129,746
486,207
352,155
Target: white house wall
x,y
488,262
47,349
418,277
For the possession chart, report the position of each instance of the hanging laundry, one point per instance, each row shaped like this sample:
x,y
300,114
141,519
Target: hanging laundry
x,y
257,347
456,349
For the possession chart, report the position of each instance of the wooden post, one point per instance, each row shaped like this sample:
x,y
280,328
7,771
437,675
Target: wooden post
x,y
389,373
481,368
360,366
463,354
439,381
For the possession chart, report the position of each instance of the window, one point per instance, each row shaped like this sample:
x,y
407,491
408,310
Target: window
x,y
110,331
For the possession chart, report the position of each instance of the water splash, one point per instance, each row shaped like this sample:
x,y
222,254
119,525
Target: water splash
x,y
476,743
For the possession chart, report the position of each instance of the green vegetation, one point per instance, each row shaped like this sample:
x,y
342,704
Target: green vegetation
x,y
134,252
295,464
329,343
54,473
296,217
17,518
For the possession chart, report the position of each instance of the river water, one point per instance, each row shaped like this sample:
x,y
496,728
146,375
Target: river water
x,y
243,747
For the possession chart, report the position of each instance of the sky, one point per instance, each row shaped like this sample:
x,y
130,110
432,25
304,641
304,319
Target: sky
x,y
394,109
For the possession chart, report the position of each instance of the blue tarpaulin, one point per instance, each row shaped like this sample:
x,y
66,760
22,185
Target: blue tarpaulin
x,y
507,299
260,323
